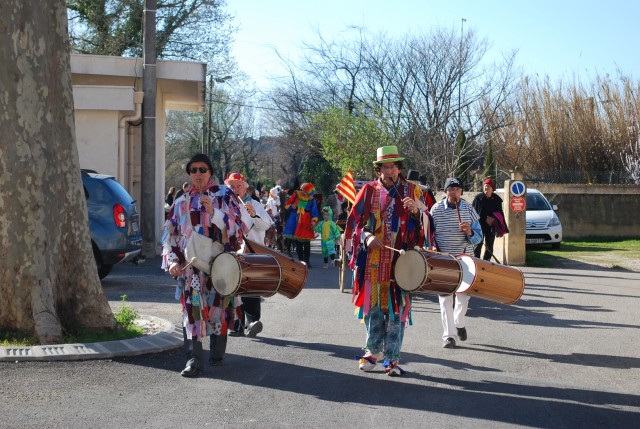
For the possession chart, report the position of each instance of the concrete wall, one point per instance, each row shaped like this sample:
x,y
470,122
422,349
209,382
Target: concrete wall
x,y
602,211
97,140
591,210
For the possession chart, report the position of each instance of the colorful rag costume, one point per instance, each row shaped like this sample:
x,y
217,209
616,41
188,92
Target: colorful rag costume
x,y
303,210
204,311
329,233
384,307
303,215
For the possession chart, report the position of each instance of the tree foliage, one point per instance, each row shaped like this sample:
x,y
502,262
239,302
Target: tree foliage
x,y
489,163
407,85
186,29
570,132
318,171
462,155
349,140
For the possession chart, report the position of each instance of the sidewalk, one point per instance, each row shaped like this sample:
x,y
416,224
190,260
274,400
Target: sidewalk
x,y
169,337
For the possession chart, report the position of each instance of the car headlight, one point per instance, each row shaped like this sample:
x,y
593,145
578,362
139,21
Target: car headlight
x,y
554,222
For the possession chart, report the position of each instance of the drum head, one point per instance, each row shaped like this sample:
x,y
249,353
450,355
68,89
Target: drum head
x,y
410,270
468,272
225,273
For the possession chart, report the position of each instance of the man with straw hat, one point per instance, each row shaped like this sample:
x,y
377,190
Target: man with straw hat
x,y
384,220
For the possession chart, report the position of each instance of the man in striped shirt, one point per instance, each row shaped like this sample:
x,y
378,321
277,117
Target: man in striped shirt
x,y
457,231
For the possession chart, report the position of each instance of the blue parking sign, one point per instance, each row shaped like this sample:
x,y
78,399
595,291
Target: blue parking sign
x,y
517,188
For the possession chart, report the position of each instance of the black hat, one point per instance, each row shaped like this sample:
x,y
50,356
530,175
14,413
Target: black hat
x,y
413,175
453,182
200,157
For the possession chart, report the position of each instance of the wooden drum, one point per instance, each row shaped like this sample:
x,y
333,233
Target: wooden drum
x,y
294,273
428,272
490,281
245,274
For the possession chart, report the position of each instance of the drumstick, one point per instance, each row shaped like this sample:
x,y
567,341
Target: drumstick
x,y
458,210
193,260
401,251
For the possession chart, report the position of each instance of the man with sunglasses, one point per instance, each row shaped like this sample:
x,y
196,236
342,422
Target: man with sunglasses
x,y
215,212
260,223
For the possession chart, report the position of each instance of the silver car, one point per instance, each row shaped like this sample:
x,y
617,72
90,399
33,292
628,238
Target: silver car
x,y
543,224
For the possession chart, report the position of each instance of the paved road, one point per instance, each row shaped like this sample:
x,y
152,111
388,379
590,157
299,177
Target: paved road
x,y
565,356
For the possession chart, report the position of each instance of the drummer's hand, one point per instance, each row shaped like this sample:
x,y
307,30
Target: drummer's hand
x,y
466,228
205,200
410,204
174,269
250,209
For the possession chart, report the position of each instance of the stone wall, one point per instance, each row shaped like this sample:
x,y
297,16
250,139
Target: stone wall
x,y
591,210
596,210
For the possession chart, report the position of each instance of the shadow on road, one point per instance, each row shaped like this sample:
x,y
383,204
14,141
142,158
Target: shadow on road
x,y
497,401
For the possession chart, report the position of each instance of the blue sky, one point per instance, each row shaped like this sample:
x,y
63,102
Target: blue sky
x,y
560,38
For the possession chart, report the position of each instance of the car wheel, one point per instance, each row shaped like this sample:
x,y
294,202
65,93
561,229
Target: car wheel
x,y
104,270
555,246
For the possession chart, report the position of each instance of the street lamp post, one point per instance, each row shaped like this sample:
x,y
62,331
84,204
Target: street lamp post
x,y
460,74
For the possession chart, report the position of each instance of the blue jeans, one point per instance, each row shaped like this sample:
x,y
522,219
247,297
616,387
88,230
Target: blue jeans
x,y
384,333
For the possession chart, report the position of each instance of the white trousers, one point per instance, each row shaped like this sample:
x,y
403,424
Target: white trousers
x,y
453,313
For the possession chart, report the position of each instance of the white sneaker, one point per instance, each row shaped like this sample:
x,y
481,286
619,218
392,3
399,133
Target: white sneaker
x,y
253,329
368,362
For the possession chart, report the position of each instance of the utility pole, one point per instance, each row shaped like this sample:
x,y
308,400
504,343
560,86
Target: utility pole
x,y
208,143
148,169
460,74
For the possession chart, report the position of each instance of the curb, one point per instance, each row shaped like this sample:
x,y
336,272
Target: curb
x,y
169,338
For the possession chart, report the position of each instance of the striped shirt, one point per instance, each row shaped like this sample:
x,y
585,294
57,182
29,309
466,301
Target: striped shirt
x,y
448,236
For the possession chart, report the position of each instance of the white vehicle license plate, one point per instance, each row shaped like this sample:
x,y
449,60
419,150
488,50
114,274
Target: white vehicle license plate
x,y
534,241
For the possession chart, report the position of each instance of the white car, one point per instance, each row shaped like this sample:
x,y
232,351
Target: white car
x,y
543,224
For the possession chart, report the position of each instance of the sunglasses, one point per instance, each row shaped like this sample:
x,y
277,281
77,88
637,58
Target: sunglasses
x,y
193,170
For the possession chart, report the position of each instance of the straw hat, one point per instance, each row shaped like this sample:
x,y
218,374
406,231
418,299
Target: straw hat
x,y
387,154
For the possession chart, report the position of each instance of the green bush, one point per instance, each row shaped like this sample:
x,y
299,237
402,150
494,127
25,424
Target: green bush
x,y
125,316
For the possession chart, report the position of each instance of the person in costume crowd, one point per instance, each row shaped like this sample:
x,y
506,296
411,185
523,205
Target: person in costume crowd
x,y
168,199
259,224
289,243
486,205
457,230
303,217
273,209
385,216
215,212
334,203
185,188
329,233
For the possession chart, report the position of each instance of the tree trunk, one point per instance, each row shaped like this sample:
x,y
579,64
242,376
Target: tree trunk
x,y
48,277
